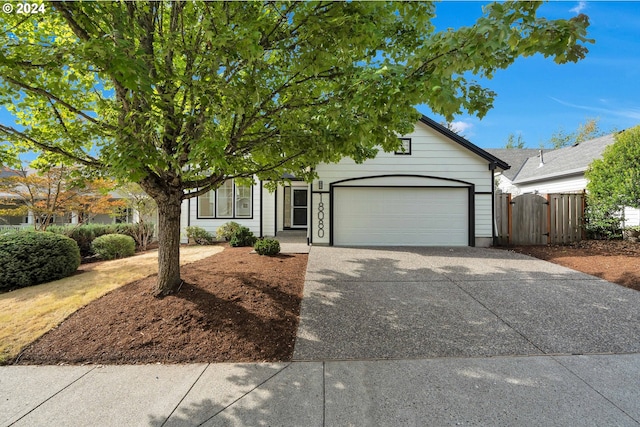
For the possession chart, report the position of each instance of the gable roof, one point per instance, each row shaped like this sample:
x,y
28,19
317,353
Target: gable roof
x,y
572,160
516,157
465,143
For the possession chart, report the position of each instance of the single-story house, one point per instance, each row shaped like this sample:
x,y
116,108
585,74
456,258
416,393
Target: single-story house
x,y
557,171
438,190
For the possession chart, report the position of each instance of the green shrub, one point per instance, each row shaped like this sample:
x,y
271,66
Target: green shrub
x,y
142,233
200,236
242,237
631,233
84,234
29,257
602,222
227,230
268,247
112,246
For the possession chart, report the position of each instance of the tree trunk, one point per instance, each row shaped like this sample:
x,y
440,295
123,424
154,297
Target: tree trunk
x,y
169,246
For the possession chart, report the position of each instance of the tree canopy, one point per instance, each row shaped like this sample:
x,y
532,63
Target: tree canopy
x,y
614,180
180,96
585,131
515,142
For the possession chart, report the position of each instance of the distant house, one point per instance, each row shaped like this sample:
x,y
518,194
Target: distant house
x,y
556,171
28,220
516,158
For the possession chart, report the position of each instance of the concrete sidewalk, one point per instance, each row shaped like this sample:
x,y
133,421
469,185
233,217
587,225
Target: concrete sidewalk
x,y
598,390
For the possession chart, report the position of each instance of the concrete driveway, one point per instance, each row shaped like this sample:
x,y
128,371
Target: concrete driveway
x,y
407,303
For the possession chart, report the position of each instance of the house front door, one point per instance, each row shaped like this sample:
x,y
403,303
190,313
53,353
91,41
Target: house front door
x,y
299,208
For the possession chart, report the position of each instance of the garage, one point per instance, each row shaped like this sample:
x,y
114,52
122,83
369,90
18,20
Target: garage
x,y
401,216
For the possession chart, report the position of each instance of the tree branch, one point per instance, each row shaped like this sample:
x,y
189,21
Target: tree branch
x,y
52,97
64,9
89,161
206,184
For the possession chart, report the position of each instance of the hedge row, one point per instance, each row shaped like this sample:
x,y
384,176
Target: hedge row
x,y
85,234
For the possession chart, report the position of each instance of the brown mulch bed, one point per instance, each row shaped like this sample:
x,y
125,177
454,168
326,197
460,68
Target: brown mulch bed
x,y
617,261
232,307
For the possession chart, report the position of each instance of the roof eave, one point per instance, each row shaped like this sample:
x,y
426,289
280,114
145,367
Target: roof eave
x,y
551,176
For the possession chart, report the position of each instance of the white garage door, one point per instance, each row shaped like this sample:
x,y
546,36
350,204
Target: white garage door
x,y
403,216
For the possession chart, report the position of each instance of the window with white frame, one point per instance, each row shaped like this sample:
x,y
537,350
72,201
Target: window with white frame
x,y
230,200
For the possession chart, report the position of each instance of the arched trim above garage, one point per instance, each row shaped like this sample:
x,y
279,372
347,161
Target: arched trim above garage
x,y
397,209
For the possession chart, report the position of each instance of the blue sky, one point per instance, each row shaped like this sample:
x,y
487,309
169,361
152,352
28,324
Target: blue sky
x,y
537,97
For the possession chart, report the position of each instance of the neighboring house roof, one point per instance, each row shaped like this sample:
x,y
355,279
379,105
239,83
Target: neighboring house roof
x,y
465,143
5,172
516,157
572,160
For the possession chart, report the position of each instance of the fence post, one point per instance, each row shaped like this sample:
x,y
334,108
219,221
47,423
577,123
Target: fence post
x,y
509,223
551,225
583,211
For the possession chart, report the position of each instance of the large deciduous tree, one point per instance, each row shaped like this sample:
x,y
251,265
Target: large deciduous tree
x,y
179,96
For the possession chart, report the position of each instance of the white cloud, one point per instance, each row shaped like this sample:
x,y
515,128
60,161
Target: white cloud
x,y
629,113
460,127
582,5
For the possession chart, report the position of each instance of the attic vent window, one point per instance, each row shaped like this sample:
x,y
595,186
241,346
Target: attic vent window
x,y
405,147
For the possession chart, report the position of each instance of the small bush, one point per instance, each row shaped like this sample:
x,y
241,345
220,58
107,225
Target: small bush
x,y
83,234
29,257
242,237
200,236
632,233
268,247
602,223
227,230
112,246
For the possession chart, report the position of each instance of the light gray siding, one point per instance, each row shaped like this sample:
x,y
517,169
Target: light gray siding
x,y
567,184
435,161
268,213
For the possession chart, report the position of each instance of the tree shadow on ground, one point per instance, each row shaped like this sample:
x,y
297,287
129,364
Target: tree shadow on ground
x,y
265,394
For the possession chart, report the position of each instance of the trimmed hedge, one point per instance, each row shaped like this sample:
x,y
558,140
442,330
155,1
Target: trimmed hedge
x,y
87,233
29,258
268,247
83,234
112,246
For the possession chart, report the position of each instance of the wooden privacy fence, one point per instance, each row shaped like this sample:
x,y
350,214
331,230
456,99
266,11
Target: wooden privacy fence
x,y
534,219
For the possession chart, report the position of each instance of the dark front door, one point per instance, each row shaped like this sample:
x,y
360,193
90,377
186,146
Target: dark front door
x,y
299,208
